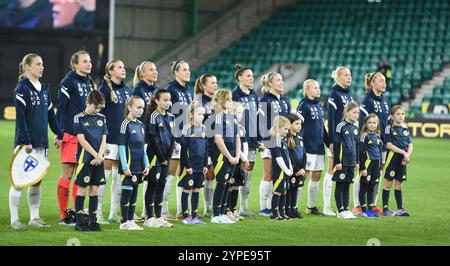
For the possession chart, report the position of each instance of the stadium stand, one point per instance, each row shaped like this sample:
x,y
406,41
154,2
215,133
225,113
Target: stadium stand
x,y
324,34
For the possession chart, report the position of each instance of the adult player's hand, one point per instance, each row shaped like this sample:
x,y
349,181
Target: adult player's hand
x,y
28,148
331,148
165,163
338,166
205,170
301,172
94,162
57,142
261,146
146,170
127,172
189,171
363,172
246,166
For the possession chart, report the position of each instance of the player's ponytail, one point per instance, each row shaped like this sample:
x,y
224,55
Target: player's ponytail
x,y
240,71
107,77
200,83
139,71
264,87
368,78
337,72
75,57
26,60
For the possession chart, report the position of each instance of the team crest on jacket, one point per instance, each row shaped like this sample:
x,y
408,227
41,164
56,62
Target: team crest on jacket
x,y
86,179
100,123
342,176
293,180
392,173
134,178
191,182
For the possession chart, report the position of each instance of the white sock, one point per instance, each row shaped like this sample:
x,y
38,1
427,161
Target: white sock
x,y
167,192
269,198
34,201
144,190
179,191
264,190
356,192
376,191
207,199
14,202
313,188
101,193
244,191
327,186
299,192
116,192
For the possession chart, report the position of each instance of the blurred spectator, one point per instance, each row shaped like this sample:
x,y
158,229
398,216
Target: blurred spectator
x,y
386,69
25,14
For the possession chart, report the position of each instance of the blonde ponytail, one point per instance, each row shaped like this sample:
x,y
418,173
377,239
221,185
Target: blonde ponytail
x,y
110,66
138,72
264,86
26,60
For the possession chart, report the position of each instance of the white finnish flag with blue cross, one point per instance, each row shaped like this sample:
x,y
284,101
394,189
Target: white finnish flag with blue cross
x,y
27,169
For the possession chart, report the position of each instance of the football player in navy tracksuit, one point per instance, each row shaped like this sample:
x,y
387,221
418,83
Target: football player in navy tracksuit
x,y
205,88
298,159
271,104
345,151
34,112
144,82
134,164
339,96
225,151
370,156
159,125
400,147
72,93
91,129
373,102
245,94
181,97
116,94
193,161
314,137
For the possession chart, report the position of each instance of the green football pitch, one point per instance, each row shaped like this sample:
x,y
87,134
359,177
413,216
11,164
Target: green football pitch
x,y
426,197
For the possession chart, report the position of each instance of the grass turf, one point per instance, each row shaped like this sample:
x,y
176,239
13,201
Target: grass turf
x,y
426,197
